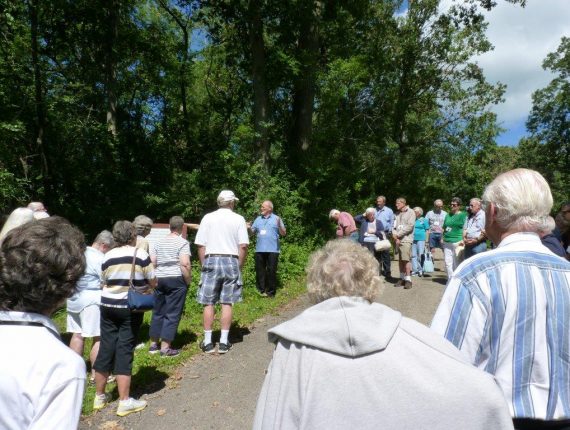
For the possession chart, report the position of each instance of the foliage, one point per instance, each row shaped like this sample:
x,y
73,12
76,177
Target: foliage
x,y
548,148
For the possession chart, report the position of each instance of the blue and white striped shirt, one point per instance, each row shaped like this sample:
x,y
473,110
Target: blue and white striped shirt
x,y
508,311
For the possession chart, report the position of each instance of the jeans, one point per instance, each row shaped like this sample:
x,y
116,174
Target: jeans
x,y
470,251
266,272
417,250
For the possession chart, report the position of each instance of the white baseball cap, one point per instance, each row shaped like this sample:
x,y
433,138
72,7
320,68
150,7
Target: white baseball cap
x,y
226,196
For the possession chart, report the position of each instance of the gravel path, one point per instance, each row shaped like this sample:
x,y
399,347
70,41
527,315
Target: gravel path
x,y
220,391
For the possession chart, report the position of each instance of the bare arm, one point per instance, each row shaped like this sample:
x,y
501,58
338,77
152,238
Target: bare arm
x,y
281,227
201,254
242,254
185,268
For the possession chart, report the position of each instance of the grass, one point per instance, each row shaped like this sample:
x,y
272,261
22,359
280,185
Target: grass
x,y
152,373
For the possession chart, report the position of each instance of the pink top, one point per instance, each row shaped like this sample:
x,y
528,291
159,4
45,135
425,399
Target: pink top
x,y
346,225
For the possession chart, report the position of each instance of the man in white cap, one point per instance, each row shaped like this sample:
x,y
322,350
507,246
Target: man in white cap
x,y
222,242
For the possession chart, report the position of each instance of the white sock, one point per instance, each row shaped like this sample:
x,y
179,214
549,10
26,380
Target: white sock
x,y
408,278
207,337
224,336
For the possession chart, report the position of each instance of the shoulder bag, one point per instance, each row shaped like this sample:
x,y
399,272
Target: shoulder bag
x,y
138,302
382,245
428,262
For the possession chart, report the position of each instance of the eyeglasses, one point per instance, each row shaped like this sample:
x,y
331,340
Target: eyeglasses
x,y
454,204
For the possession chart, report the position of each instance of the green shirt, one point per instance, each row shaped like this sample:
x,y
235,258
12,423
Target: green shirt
x,y
453,227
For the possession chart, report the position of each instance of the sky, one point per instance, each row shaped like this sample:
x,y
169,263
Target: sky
x,y
522,38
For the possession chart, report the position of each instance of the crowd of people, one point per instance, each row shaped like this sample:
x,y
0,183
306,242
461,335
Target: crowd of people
x,y
459,233
496,355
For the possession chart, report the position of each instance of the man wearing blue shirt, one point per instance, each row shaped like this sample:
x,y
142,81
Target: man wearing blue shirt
x,y
386,216
267,228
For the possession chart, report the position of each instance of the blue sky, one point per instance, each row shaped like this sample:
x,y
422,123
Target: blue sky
x,y
522,38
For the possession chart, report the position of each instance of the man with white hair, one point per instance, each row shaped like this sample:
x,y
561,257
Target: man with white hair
x,y
474,229
267,227
508,309
222,247
38,209
345,225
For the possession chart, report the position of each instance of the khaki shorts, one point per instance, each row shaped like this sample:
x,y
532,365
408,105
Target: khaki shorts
x,y
405,251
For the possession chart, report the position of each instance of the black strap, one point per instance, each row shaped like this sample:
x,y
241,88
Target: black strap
x,y
31,324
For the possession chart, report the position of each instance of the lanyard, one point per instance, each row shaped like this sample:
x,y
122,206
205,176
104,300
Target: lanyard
x,y
32,324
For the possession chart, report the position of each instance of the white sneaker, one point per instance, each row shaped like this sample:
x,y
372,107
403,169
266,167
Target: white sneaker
x,y
129,406
100,401
140,345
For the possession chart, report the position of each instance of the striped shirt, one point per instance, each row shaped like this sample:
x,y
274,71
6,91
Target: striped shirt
x,y
508,311
117,267
167,252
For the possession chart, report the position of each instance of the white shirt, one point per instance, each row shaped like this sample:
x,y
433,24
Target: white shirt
x,y
89,285
42,380
508,312
221,232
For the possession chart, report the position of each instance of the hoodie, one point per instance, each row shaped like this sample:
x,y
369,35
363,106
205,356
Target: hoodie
x,y
347,363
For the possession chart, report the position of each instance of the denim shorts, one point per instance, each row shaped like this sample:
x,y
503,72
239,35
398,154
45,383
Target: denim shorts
x,y
435,241
220,281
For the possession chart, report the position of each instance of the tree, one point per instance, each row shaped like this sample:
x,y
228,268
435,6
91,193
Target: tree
x,y
548,148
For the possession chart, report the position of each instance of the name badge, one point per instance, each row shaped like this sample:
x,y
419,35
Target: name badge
x,y
262,232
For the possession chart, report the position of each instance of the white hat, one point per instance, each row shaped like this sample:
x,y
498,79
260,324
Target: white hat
x,y
226,196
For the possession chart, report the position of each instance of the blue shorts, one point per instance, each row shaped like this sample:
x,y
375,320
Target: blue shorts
x,y
435,240
220,281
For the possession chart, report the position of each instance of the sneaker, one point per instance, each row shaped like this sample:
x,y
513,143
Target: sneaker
x,y
129,406
224,347
100,401
399,283
407,285
111,379
169,352
207,348
140,346
153,348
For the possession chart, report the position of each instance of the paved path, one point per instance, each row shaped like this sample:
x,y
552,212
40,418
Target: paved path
x,y
220,392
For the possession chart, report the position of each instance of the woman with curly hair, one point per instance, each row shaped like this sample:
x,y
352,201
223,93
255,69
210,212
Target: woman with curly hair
x,y
42,379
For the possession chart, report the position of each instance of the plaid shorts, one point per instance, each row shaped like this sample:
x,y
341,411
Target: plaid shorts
x,y
220,281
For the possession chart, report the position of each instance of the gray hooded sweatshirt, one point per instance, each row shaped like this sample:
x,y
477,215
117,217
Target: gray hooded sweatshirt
x,y
349,364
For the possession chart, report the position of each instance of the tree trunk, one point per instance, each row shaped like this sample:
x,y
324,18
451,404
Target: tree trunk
x,y
110,67
183,67
38,94
260,96
304,85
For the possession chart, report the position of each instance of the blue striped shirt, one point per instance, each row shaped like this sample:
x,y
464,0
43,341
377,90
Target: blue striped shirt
x,y
508,311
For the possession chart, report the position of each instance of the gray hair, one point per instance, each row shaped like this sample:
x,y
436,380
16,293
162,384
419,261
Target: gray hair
x,y
124,233
418,209
370,211
142,224
511,193
176,223
437,200
105,238
333,212
343,268
270,203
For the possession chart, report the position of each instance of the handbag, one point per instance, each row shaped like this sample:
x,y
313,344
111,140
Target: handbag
x,y
138,302
382,245
428,262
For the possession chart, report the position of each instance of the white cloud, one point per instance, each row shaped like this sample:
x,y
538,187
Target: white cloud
x,y
522,38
